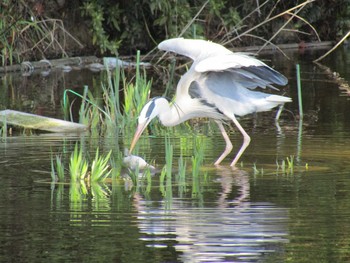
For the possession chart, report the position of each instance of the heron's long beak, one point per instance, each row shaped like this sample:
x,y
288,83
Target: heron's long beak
x,y
140,128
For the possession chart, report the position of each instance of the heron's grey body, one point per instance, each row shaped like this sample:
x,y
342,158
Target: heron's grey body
x,y
220,84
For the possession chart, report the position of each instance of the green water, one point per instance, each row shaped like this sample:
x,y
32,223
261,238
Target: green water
x,y
257,213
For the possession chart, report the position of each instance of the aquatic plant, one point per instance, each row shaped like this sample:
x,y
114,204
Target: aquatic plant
x,y
300,98
106,114
100,168
198,155
85,110
290,162
78,165
197,160
3,130
165,179
167,168
79,168
181,176
57,169
255,169
287,165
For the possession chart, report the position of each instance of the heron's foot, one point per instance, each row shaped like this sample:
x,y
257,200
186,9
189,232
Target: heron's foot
x,y
233,165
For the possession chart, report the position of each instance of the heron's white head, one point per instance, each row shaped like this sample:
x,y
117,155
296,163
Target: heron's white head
x,y
151,110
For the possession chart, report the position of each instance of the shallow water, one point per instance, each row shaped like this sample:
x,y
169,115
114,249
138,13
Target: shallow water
x,y
260,212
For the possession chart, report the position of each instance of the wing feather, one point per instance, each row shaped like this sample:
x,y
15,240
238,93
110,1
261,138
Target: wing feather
x,y
222,72
226,61
248,67
229,93
193,48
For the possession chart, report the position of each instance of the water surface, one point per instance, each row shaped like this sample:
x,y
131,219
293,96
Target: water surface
x,y
257,213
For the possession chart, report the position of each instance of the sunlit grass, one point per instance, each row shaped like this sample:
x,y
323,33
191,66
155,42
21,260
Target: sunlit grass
x,y
78,165
100,168
80,168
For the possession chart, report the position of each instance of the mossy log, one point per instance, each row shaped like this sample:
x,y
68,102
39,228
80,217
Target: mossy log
x,y
37,122
54,63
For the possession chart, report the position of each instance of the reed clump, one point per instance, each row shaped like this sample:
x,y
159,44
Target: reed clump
x,y
112,114
115,111
80,169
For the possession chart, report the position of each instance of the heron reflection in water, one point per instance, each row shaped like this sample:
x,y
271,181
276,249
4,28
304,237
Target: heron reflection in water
x,y
220,85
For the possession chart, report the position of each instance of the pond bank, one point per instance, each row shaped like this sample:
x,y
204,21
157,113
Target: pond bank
x,y
84,61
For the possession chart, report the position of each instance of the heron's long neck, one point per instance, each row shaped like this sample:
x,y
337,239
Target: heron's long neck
x,y
170,115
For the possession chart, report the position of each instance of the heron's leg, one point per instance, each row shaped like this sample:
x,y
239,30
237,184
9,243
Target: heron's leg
x,y
228,147
277,117
278,114
246,140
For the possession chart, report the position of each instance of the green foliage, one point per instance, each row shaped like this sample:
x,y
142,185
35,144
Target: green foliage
x,y
100,167
78,166
97,12
197,158
126,26
142,23
110,115
136,94
57,170
8,33
25,34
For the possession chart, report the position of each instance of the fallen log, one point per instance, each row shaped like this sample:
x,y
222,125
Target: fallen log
x,y
37,122
54,63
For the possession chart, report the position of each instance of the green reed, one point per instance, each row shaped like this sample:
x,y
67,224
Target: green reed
x,y
110,112
57,169
181,176
197,160
165,179
78,165
169,150
80,169
100,168
167,169
256,171
198,156
300,99
287,165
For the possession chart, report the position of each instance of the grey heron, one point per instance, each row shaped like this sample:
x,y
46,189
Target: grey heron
x,y
220,85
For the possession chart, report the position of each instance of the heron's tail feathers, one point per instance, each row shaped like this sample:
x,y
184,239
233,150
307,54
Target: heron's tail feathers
x,y
278,99
269,102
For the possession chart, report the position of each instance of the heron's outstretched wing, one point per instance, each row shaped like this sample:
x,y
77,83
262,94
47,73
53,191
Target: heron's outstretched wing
x,y
209,56
228,92
196,49
253,71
